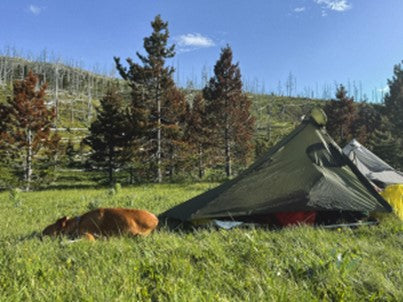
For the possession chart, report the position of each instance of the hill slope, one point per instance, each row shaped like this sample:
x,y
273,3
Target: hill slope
x,y
77,93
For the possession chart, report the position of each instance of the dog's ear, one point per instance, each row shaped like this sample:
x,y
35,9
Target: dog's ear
x,y
61,223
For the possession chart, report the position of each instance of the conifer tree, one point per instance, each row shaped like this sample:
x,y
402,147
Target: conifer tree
x,y
341,115
70,154
25,126
110,134
394,112
366,123
228,110
198,133
173,144
394,100
385,145
151,83
243,134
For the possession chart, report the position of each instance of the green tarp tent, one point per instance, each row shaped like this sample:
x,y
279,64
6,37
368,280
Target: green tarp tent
x,y
306,171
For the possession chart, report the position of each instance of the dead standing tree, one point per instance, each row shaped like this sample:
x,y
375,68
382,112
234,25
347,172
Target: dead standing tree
x,y
25,125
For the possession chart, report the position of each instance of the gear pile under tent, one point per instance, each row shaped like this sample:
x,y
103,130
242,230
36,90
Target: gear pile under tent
x,y
305,178
374,168
382,175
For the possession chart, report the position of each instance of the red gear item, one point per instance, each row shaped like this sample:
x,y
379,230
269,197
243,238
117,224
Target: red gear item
x,y
293,218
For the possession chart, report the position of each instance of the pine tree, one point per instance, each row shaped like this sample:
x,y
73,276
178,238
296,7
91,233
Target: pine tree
x,y
70,154
394,100
228,109
25,126
151,83
366,123
110,134
245,129
341,115
173,122
394,112
385,145
198,133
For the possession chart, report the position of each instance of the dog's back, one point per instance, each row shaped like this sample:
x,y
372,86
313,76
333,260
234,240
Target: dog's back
x,y
116,221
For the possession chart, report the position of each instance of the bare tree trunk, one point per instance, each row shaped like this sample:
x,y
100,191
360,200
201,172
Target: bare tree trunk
x,y
28,162
131,175
171,166
110,165
21,70
171,161
72,111
76,82
2,67
89,104
11,72
341,132
228,168
159,173
201,166
57,90
44,75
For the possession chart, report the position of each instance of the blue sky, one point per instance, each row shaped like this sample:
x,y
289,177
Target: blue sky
x,y
319,41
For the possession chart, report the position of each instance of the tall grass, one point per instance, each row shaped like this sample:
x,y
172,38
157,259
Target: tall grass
x,y
299,263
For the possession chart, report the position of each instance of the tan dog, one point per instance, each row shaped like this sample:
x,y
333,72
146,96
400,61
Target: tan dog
x,y
106,222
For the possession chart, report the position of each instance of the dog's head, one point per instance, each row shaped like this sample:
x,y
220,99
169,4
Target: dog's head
x,y
56,228
63,226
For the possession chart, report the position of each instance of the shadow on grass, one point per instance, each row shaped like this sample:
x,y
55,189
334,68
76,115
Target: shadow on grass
x,y
334,223
74,186
30,236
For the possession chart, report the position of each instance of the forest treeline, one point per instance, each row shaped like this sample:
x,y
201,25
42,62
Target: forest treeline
x,y
147,128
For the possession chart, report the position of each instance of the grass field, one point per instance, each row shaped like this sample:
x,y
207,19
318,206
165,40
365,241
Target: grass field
x,y
293,264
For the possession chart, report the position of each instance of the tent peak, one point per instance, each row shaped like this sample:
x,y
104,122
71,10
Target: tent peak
x,y
355,143
318,116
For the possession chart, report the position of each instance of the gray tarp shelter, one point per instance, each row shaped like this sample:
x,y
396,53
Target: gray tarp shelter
x,y
379,172
306,171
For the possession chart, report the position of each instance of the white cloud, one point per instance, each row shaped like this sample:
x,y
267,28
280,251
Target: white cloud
x,y
190,42
335,5
36,10
194,40
299,9
384,89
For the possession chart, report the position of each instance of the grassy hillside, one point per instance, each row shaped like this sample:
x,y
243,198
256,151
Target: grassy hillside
x,y
276,116
293,264
79,92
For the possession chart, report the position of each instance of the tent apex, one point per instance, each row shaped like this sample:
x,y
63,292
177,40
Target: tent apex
x,y
319,116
